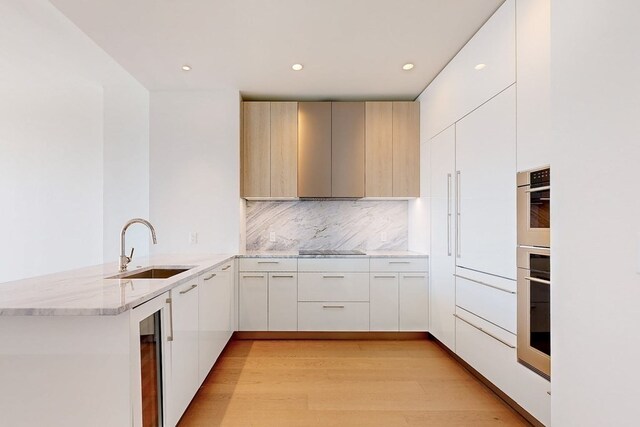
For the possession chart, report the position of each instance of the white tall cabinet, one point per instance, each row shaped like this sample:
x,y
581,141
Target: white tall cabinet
x,y
486,187
443,263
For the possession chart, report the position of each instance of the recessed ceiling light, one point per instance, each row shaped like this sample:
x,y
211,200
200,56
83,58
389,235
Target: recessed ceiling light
x,y
480,66
186,67
296,67
407,66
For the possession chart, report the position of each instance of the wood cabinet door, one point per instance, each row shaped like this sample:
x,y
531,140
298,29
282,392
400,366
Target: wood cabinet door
x,y
442,256
284,149
347,149
314,149
486,184
379,149
406,149
256,151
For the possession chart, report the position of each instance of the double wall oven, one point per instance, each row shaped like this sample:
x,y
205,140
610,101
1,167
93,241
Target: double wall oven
x,y
534,270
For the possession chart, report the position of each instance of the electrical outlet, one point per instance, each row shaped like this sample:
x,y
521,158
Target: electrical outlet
x,y
272,236
193,237
383,236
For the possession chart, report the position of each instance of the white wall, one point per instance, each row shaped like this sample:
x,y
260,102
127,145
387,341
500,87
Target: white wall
x,y
195,170
53,125
595,101
126,173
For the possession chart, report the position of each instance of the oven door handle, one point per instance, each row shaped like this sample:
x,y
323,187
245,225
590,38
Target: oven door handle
x,y
535,279
536,189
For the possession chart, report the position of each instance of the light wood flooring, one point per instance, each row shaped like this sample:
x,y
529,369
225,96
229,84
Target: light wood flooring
x,y
343,383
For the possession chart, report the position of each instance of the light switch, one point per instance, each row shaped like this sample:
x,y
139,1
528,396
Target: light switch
x,y
272,236
193,237
383,236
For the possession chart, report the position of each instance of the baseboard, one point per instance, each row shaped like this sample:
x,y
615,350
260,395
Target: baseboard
x,y
301,335
502,395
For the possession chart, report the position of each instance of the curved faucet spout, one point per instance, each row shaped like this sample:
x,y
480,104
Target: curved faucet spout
x,y
124,260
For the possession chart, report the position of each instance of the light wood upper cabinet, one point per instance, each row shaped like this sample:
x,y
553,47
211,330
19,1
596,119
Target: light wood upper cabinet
x,y
406,149
284,149
269,154
257,152
379,149
347,149
330,149
392,149
314,149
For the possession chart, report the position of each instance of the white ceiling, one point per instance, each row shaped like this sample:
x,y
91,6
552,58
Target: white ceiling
x,y
351,49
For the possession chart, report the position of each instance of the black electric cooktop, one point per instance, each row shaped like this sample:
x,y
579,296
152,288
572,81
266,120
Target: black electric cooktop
x,y
330,252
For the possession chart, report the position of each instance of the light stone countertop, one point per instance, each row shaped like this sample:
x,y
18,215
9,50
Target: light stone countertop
x,y
367,254
88,292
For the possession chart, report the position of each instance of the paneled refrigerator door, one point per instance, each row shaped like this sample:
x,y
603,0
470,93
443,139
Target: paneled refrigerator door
x,y
486,187
442,308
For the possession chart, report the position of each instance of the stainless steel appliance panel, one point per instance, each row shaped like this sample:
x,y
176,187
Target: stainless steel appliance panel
x,y
534,309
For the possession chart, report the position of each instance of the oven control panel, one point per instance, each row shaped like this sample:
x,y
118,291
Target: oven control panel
x,y
540,178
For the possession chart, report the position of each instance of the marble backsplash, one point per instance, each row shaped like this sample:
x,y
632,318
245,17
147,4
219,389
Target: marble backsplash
x,y
327,224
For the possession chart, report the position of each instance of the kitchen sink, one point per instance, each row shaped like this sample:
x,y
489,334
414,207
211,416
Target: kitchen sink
x,y
152,273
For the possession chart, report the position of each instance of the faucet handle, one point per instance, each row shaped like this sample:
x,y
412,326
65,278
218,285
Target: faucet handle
x,y
131,254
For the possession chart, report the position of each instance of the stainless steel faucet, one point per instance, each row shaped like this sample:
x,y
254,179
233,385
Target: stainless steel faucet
x,y
124,260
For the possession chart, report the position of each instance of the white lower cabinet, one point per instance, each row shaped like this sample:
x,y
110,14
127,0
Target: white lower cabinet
x,y
383,306
333,316
489,297
334,294
184,349
283,301
268,294
492,352
414,302
253,305
216,316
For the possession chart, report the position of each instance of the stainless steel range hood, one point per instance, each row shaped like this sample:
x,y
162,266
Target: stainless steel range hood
x,y
331,150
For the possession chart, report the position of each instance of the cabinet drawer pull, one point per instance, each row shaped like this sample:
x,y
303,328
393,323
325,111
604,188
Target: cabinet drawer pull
x,y
255,276
268,262
188,290
226,267
333,277
399,262
283,276
384,277
485,332
419,276
210,277
333,306
485,284
170,302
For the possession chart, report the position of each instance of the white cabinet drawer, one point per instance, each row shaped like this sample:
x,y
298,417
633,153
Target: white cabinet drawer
x,y
268,264
334,316
488,300
491,351
334,286
334,264
486,353
399,264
